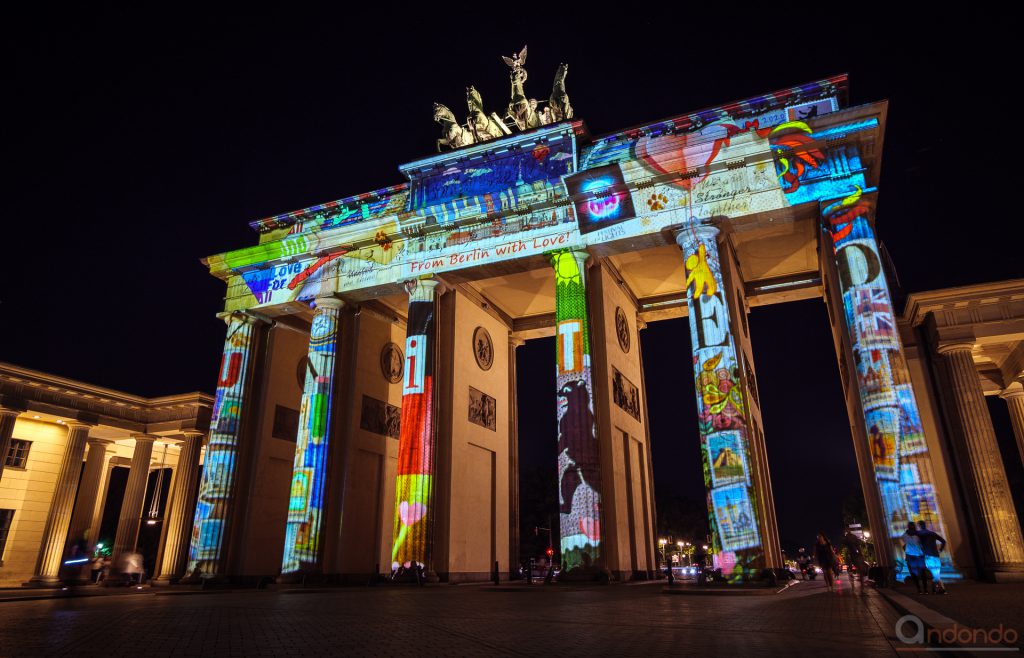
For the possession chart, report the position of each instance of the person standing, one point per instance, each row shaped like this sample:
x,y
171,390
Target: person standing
x,y
826,556
931,550
915,557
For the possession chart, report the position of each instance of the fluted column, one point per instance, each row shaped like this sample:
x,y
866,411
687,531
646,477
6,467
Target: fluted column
x,y
1014,396
96,525
134,497
182,506
7,420
736,515
88,491
513,457
215,505
580,511
1001,536
55,532
303,550
414,479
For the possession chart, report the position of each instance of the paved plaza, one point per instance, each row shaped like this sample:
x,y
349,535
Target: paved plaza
x,y
453,621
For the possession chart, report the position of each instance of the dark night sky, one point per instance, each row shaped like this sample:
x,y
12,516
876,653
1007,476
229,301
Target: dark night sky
x,y
142,141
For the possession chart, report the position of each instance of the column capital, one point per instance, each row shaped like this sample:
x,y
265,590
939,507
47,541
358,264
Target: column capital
x,y
1014,390
954,346
330,302
579,254
7,411
687,234
93,441
246,317
515,341
76,424
142,438
422,290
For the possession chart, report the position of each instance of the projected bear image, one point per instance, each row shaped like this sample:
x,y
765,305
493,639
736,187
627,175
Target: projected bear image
x,y
578,465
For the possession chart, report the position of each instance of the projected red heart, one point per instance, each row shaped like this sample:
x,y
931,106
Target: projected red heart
x,y
678,154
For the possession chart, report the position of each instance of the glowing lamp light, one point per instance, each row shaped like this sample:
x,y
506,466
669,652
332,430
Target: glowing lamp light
x,y
662,541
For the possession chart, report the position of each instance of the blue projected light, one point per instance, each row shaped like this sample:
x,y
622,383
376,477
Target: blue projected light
x,y
600,198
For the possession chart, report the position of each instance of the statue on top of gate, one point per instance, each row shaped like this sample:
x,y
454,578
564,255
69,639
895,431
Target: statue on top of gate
x,y
521,114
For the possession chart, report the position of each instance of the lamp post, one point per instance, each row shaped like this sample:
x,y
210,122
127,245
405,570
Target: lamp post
x,y
663,543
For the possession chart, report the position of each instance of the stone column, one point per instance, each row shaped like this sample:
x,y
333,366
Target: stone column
x,y
96,524
1000,534
736,518
217,489
414,480
1014,396
134,498
8,416
55,532
88,492
513,458
302,544
580,509
181,507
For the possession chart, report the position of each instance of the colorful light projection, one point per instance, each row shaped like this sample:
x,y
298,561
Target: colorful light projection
x,y
600,197
895,437
722,406
414,516
306,502
579,466
217,487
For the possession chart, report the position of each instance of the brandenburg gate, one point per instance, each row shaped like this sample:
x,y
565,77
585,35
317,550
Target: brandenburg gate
x,y
365,413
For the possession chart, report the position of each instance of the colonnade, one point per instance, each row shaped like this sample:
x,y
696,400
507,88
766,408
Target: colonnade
x,y
893,455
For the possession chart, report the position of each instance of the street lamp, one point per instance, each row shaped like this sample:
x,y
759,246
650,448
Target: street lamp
x,y
663,543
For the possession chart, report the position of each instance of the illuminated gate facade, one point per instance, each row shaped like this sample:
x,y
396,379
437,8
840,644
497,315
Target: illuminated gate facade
x,y
365,416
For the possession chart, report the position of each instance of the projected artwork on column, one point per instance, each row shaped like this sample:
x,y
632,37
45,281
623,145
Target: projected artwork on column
x,y
721,406
306,500
413,487
894,433
216,489
579,476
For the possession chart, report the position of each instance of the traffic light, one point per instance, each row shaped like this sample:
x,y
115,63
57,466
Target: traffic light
x,y
550,551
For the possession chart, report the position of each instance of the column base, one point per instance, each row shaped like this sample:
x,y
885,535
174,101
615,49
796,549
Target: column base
x,y
165,581
44,582
1008,574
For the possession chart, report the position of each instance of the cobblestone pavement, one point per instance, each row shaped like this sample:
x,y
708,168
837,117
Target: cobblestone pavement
x,y
453,621
978,605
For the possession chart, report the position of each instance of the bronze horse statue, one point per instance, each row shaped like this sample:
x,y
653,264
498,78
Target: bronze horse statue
x,y
559,108
482,126
454,135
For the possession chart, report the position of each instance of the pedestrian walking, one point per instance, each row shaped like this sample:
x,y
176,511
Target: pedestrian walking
x,y
857,566
915,557
803,560
930,541
826,556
